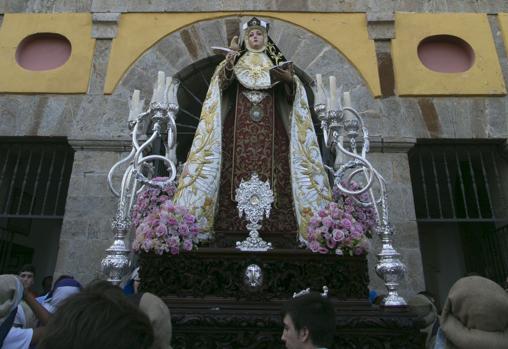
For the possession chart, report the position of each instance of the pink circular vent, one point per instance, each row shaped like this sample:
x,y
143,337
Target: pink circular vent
x,y
446,54
43,51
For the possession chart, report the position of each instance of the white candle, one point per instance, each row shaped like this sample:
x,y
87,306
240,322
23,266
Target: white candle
x,y
346,100
319,80
333,92
168,89
320,98
158,90
339,156
136,106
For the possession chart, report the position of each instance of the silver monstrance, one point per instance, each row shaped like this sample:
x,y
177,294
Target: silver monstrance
x,y
255,198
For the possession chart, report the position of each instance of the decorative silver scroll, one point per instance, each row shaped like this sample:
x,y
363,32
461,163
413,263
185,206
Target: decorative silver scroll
x,y
254,198
340,122
161,117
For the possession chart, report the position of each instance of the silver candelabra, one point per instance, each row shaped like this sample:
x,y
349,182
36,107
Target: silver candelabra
x,y
339,122
160,118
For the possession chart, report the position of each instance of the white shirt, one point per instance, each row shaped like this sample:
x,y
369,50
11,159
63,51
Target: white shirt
x,y
18,338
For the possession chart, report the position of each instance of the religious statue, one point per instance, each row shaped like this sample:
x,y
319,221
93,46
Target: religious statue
x,y
255,118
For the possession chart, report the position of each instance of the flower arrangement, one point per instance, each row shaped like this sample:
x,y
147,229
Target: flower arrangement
x,y
161,226
343,227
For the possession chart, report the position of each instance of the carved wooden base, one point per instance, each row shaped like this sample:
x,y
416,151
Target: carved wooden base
x,y
219,272
214,323
211,306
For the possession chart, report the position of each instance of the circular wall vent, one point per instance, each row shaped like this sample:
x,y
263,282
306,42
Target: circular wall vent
x,y
43,51
446,54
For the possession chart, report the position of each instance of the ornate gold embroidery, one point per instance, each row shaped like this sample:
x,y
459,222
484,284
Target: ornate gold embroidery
x,y
272,52
253,70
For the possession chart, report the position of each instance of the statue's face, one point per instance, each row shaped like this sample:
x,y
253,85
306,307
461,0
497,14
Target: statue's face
x,y
256,39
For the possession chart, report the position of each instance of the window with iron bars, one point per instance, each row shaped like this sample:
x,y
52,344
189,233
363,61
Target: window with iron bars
x,y
460,188
34,179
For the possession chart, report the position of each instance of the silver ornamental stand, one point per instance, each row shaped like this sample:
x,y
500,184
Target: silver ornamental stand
x,y
255,198
338,122
161,116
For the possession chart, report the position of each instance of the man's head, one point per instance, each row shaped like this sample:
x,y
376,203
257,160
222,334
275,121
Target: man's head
x,y
47,282
100,320
27,275
309,322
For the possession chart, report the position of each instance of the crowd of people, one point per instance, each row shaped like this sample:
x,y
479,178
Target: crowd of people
x,y
474,315
68,315
101,315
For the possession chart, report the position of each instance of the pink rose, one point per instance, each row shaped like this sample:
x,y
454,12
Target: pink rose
x,y
314,221
161,230
346,223
314,246
322,213
338,235
183,229
187,245
322,250
327,221
189,219
331,244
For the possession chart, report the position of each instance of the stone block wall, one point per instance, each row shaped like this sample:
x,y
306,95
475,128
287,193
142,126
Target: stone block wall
x,y
90,208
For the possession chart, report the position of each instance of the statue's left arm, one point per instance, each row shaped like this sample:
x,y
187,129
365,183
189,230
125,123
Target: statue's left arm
x,y
286,76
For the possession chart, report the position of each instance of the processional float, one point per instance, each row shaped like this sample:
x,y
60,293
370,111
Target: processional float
x,y
344,132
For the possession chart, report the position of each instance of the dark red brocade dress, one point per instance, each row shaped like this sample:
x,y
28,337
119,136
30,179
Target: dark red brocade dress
x,y
255,146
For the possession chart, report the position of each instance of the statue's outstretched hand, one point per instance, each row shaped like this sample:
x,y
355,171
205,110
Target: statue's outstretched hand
x,y
234,44
282,74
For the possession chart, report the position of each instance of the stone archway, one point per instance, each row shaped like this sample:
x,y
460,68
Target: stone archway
x,y
187,55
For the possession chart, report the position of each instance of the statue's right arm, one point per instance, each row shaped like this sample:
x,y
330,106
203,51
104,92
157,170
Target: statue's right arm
x,y
226,74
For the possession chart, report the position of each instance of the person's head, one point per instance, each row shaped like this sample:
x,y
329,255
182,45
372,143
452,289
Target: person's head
x,y
99,320
47,282
11,293
136,280
475,314
309,322
151,305
64,287
27,275
255,34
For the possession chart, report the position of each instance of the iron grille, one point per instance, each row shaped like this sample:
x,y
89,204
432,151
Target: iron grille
x,y
502,234
34,177
459,182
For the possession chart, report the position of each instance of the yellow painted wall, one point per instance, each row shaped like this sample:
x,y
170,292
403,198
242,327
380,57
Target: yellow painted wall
x,y
346,32
413,78
72,77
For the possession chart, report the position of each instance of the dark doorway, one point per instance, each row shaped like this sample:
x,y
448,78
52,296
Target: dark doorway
x,y
34,179
461,207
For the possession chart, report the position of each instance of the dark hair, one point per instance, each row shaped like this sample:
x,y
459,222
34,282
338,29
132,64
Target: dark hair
x,y
102,286
314,312
27,267
92,319
47,279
